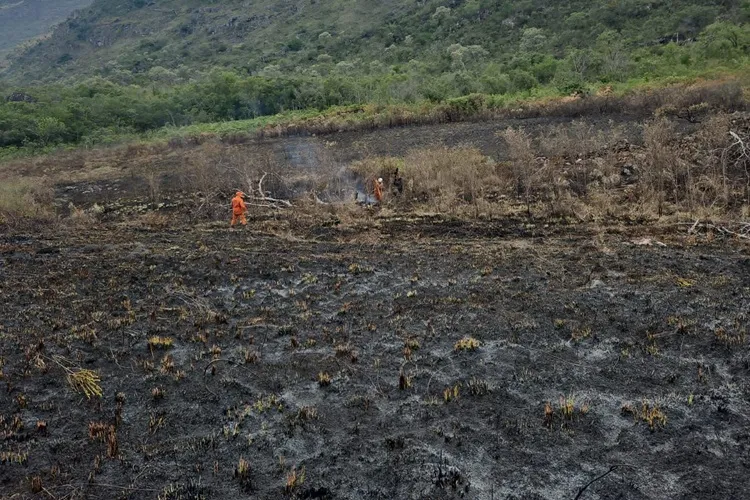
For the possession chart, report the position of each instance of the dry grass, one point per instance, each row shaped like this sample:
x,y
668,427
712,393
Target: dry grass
x,y
294,480
85,381
648,413
441,179
25,198
685,101
573,171
466,344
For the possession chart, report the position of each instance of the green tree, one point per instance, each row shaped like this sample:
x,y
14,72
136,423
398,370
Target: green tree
x,y
50,130
722,40
533,40
613,56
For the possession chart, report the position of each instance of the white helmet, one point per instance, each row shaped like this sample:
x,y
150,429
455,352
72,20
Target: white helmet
x,y
380,179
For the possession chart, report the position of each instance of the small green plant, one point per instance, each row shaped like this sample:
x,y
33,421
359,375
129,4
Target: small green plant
x,y
478,387
324,379
346,350
567,407
466,344
359,269
167,365
682,325
648,413
309,279
85,381
685,282
157,342
270,402
243,468
652,348
242,474
567,411
307,413
730,339
452,393
12,457
230,430
404,381
412,344
155,422
579,334
294,480
250,356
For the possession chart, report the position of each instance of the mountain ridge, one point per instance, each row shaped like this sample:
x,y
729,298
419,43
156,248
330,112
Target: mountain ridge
x,y
22,21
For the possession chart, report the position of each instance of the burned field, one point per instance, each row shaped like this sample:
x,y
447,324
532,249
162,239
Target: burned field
x,y
397,358
527,320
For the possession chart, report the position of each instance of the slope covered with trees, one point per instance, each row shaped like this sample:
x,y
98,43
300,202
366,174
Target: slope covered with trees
x,y
129,66
134,40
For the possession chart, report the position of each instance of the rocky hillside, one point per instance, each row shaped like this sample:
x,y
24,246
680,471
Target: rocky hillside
x,y
24,20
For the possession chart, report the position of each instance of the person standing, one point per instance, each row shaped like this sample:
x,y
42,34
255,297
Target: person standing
x,y
379,190
397,184
239,209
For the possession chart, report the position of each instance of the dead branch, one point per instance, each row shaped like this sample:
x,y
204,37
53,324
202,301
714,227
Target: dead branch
x,y
318,200
263,206
602,476
286,203
262,193
742,233
739,142
263,196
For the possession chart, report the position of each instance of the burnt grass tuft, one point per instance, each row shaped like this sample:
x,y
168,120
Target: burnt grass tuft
x,y
253,363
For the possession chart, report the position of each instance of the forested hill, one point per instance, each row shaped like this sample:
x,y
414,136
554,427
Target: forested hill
x,y
24,20
174,40
124,68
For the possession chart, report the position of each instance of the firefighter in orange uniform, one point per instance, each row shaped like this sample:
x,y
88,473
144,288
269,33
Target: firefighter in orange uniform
x,y
239,209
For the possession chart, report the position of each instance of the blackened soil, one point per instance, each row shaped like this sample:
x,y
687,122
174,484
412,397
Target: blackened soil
x,y
593,352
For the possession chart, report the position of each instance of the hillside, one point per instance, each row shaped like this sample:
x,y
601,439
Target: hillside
x,y
510,326
120,70
24,20
169,40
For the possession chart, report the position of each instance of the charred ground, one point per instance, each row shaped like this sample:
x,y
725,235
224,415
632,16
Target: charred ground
x,y
547,303
231,361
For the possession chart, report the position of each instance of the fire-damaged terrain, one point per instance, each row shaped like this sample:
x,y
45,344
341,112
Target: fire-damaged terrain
x,y
385,358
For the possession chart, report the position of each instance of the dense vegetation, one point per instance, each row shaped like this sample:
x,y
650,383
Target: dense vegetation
x,y
123,68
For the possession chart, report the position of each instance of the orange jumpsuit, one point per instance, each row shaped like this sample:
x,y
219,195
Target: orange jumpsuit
x,y
238,209
378,191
